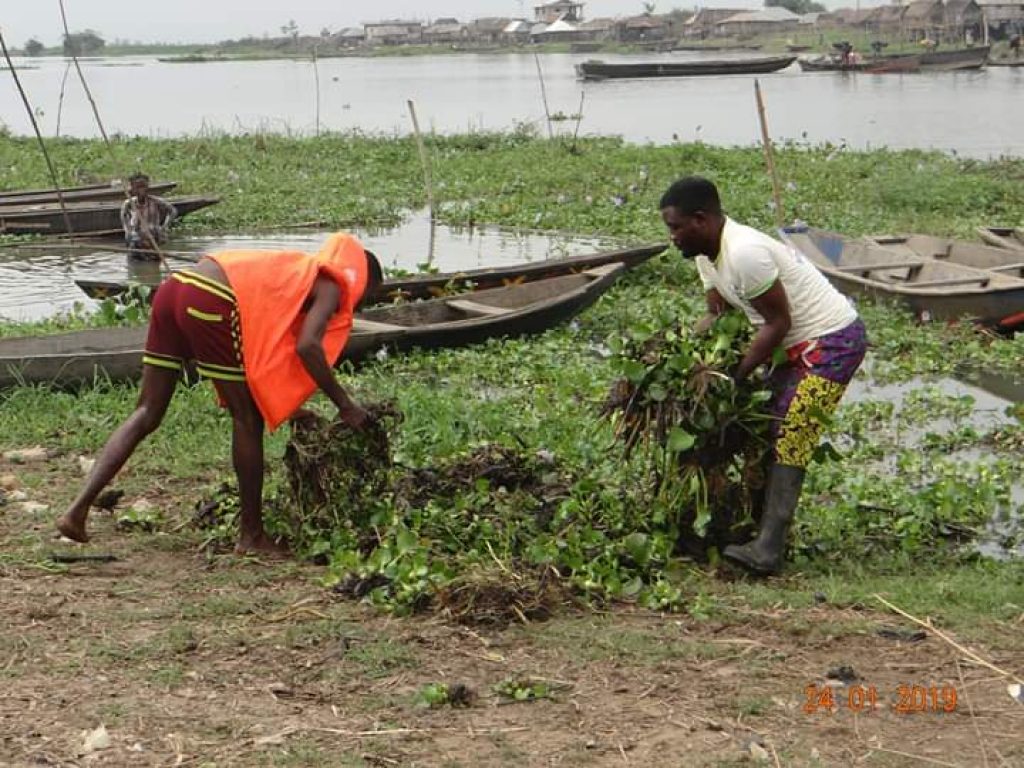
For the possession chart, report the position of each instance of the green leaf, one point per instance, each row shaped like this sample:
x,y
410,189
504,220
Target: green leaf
x,y
679,440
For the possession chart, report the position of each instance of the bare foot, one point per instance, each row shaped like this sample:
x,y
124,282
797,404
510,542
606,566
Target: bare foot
x,y
72,529
262,545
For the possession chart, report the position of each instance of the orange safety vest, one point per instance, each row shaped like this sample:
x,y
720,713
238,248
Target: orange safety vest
x,y
270,288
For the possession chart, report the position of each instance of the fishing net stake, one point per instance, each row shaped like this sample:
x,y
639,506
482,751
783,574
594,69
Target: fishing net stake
x,y
769,156
39,137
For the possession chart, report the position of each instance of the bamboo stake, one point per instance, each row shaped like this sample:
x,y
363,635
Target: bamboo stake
x,y
579,118
60,100
769,156
939,633
39,136
85,85
316,78
544,95
427,181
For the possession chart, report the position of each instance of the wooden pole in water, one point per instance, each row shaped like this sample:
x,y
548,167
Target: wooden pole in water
x,y
85,86
769,156
316,78
39,136
544,95
60,99
424,160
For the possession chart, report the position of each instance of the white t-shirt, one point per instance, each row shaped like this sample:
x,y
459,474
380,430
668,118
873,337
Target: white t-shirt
x,y
748,264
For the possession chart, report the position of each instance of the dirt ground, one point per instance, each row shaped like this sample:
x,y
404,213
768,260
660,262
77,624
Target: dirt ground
x,y
189,659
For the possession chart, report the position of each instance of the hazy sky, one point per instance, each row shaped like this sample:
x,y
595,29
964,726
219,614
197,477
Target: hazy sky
x,y
212,20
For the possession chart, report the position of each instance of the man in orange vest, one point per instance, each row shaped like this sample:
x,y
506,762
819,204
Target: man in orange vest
x,y
265,327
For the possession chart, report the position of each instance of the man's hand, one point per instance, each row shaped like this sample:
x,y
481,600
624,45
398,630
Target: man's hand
x,y
354,416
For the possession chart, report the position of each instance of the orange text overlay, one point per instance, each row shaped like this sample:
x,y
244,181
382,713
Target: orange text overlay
x,y
904,700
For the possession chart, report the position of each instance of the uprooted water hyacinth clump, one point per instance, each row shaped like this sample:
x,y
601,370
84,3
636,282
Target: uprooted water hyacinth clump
x,y
703,436
487,537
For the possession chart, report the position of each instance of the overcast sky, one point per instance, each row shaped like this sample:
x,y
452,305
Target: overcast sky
x,y
212,20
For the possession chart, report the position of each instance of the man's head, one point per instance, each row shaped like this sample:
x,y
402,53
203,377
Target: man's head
x,y
692,211
374,278
139,183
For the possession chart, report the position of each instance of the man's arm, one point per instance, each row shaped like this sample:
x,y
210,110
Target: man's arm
x,y
773,306
168,211
126,217
325,298
716,306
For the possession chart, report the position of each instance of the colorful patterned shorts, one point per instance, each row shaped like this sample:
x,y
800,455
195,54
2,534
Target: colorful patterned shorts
x,y
807,389
195,318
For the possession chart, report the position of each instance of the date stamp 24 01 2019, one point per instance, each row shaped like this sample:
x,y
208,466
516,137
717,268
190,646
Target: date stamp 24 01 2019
x,y
905,700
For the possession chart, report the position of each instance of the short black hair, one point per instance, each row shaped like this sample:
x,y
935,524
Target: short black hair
x,y
374,277
138,177
691,194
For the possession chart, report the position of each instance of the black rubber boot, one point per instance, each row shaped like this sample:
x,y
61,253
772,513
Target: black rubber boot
x,y
763,555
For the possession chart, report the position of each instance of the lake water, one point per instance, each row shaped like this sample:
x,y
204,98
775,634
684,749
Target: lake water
x,y
978,114
39,282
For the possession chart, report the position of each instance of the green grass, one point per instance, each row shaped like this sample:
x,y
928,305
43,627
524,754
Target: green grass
x,y
545,392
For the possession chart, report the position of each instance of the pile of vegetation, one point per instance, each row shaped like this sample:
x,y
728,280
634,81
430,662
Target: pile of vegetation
x,y
497,534
703,434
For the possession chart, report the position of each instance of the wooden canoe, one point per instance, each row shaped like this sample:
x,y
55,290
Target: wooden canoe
x,y
934,61
600,70
431,285
930,287
1005,261
87,219
81,356
1011,238
75,194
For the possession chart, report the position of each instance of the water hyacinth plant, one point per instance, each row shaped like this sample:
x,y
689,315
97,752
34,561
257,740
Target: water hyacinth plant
x,y
703,436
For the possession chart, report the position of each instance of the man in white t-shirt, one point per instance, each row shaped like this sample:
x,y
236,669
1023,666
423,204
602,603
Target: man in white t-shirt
x,y
795,308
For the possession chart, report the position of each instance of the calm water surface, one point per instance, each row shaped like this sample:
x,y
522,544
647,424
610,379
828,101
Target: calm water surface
x,y
980,114
37,283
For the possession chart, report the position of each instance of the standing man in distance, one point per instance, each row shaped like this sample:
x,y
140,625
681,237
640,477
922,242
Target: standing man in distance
x,y
793,307
146,219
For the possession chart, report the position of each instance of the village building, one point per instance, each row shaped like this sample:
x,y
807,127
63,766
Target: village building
x,y
445,30
598,29
704,23
924,19
561,9
643,28
559,31
350,37
766,20
393,32
517,31
1001,19
964,21
489,30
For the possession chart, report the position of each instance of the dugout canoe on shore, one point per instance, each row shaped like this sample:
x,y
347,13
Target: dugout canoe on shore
x,y
600,70
80,356
94,192
96,219
1011,238
935,288
426,286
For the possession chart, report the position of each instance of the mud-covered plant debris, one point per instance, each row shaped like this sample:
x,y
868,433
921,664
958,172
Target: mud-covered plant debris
x,y
335,473
702,435
496,595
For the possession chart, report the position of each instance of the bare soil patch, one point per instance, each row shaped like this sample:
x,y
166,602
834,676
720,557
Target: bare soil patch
x,y
191,659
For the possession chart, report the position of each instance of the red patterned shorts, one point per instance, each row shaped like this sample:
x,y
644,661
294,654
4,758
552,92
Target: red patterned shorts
x,y
195,318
